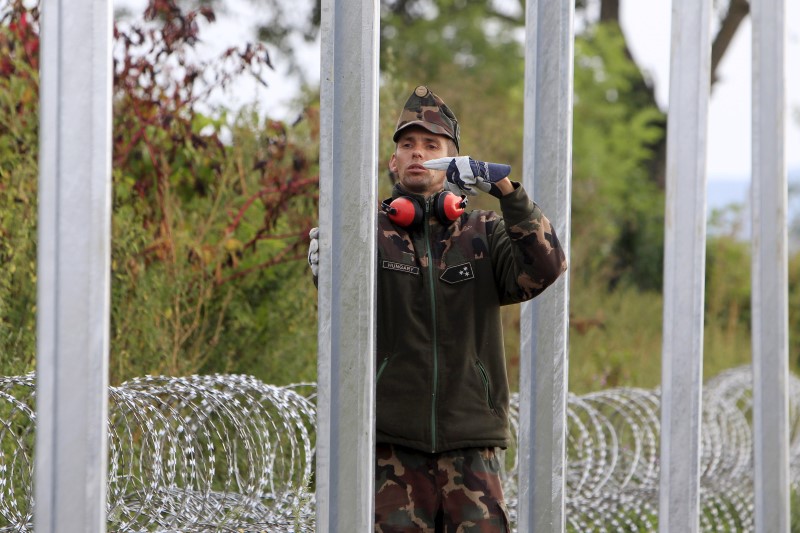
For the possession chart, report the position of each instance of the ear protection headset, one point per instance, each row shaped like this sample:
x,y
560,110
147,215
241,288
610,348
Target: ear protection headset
x,y
407,212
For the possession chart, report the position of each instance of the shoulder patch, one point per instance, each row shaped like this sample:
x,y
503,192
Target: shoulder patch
x,y
458,273
400,267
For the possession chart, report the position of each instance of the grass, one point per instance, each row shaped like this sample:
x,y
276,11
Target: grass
x,y
615,340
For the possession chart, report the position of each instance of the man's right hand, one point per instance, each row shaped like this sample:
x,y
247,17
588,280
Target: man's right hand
x,y
313,251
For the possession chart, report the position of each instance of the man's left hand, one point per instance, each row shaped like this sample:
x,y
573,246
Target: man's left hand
x,y
313,251
463,173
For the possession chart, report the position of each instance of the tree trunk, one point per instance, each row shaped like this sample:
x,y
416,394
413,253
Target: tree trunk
x,y
609,11
737,11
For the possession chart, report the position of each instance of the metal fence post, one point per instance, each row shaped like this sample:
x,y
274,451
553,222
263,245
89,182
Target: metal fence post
x,y
770,287
547,173
348,202
73,266
684,267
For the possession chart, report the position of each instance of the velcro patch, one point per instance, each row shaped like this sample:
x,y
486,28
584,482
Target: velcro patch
x,y
401,267
458,273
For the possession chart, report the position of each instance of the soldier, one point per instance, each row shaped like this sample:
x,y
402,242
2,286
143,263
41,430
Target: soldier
x,y
442,394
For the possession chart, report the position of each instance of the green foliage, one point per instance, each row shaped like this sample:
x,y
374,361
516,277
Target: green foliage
x,y
456,41
230,290
728,289
617,200
209,238
617,208
18,185
615,336
794,510
794,311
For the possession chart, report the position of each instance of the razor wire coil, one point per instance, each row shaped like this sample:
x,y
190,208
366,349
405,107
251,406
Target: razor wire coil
x,y
230,453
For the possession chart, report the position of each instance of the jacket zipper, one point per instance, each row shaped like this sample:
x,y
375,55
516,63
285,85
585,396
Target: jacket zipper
x,y
425,221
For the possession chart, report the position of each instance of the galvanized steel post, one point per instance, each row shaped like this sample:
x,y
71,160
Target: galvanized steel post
x,y
770,287
73,266
684,267
547,173
348,202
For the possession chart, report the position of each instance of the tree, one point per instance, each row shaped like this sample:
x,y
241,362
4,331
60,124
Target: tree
x,y
474,36
207,234
19,103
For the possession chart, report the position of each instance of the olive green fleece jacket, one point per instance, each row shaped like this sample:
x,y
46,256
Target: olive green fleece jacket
x,y
441,379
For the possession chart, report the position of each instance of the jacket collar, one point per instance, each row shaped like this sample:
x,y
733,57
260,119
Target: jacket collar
x,y
398,190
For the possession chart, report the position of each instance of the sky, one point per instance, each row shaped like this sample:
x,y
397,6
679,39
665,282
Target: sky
x,y
647,27
646,24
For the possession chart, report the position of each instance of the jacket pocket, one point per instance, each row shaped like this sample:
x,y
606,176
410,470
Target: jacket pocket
x,y
384,362
487,387
506,518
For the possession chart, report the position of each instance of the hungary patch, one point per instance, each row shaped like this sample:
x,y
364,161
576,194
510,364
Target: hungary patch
x,y
457,273
400,267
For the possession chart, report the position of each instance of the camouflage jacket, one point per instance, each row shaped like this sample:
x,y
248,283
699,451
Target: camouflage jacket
x,y
441,379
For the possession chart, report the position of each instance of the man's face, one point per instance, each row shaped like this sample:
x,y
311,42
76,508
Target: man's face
x,y
415,146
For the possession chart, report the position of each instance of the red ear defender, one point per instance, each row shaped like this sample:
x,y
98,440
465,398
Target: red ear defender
x,y
406,212
403,211
449,206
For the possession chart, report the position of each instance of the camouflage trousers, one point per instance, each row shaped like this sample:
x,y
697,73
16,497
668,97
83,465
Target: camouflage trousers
x,y
457,491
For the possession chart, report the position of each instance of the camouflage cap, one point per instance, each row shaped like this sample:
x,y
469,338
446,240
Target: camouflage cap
x,y
425,109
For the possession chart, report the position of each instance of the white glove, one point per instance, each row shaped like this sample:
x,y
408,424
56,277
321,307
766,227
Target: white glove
x,y
463,173
313,251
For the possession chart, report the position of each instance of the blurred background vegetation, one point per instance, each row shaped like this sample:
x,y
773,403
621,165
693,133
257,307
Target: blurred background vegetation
x,y
212,205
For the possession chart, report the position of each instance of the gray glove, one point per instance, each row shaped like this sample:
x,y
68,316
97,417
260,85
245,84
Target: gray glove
x,y
313,251
463,173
